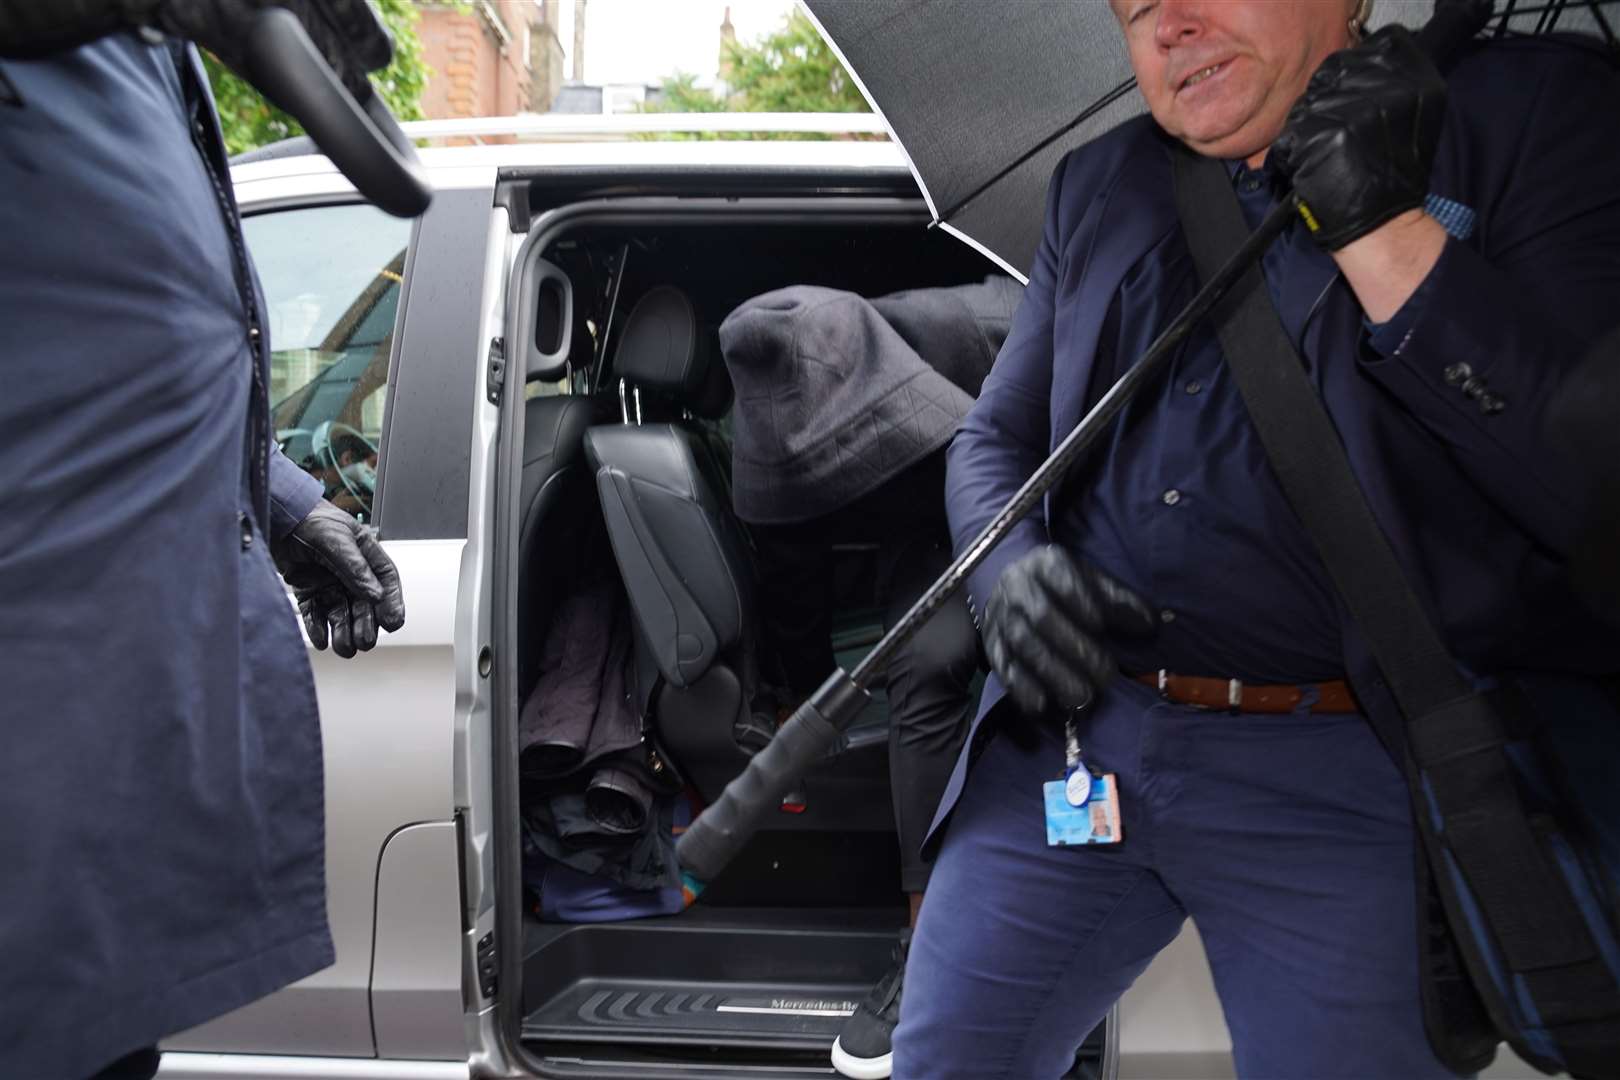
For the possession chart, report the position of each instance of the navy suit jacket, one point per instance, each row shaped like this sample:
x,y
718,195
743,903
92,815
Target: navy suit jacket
x,y
1480,509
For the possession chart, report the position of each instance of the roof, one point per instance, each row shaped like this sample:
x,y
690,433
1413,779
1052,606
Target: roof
x,y
578,98
612,142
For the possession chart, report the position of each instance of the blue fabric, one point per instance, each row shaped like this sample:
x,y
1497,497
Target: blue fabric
x,y
1479,509
570,895
1458,220
1227,552
1286,839
1252,825
160,753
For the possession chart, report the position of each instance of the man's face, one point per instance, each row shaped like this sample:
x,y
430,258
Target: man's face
x,y
1262,53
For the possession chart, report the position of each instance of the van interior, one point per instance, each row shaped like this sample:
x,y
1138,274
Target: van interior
x,y
758,976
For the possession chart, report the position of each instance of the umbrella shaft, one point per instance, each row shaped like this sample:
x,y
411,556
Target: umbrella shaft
x,y
1075,444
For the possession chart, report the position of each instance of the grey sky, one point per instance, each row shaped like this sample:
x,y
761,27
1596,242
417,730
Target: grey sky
x,y
645,40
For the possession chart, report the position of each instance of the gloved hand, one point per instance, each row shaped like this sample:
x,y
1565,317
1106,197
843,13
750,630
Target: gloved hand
x,y
1044,629
1359,144
343,30
343,580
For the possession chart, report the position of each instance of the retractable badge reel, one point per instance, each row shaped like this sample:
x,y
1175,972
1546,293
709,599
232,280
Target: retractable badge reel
x,y
1083,807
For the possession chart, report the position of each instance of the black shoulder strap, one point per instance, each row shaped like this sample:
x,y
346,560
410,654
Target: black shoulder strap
x,y
1452,733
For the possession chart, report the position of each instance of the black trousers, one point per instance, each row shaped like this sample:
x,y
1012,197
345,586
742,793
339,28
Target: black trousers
x,y
930,683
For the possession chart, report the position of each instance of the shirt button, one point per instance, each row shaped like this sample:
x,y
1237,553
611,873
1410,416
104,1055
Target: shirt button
x,y
1167,616
1193,386
1172,497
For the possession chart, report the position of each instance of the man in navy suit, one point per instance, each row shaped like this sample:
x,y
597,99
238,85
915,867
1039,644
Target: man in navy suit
x,y
1459,270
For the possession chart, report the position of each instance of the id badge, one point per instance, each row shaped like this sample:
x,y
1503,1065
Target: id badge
x,y
1094,822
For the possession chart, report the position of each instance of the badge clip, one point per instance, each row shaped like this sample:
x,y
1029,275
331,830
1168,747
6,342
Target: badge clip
x,y
1083,807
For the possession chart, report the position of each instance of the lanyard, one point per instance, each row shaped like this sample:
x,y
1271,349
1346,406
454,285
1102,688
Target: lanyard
x,y
1076,776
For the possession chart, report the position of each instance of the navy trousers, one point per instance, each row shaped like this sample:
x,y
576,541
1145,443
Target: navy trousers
x,y
1287,839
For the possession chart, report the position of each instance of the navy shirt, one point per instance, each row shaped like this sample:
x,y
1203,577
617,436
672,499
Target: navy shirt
x,y
1183,505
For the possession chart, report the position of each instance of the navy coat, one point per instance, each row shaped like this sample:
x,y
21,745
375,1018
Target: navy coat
x,y
160,754
1480,510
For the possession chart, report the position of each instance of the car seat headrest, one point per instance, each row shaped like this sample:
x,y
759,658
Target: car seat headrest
x,y
666,349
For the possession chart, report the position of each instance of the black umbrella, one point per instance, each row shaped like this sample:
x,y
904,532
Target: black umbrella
x,y
986,95
1001,204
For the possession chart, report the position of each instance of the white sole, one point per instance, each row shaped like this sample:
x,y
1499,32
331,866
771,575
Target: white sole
x,y
855,1068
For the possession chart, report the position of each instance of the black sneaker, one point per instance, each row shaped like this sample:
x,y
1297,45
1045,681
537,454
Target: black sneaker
x,y
864,1049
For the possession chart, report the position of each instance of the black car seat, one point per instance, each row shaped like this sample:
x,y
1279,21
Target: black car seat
x,y
558,512
664,490
688,571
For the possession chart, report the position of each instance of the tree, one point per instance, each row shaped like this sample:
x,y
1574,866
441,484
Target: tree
x,y
790,70
249,121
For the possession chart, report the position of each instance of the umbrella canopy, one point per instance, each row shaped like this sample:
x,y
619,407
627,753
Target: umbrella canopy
x,y
985,96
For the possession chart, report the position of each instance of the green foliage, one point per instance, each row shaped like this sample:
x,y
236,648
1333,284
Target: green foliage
x,y
681,94
249,121
790,70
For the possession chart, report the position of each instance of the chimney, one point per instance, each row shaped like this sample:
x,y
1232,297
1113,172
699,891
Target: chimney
x,y
728,38
579,41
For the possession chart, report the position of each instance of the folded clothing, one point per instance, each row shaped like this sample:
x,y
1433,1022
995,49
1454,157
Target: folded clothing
x,y
617,801
606,882
581,708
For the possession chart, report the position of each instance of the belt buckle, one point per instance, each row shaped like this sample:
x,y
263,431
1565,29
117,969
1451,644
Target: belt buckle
x,y
1234,695
1164,684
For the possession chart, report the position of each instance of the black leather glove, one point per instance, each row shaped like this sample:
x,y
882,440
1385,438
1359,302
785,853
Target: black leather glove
x,y
1044,629
1359,144
343,30
343,580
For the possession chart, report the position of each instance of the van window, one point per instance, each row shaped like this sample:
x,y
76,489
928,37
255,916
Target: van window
x,y
331,278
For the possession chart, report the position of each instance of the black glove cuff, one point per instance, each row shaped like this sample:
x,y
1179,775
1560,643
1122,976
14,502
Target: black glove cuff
x,y
1345,233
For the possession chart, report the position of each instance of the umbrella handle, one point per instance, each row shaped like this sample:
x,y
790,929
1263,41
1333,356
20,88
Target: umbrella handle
x,y
361,138
715,837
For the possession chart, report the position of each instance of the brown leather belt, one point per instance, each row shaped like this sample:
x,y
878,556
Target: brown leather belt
x,y
1232,694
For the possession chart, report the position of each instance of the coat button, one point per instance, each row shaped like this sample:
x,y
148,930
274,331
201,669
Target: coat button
x,y
1458,373
1193,386
247,529
1490,404
1172,497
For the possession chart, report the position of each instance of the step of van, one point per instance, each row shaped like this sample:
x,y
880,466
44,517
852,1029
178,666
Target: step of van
x,y
743,991
738,977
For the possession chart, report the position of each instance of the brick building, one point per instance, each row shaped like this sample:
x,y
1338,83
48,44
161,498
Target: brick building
x,y
491,59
